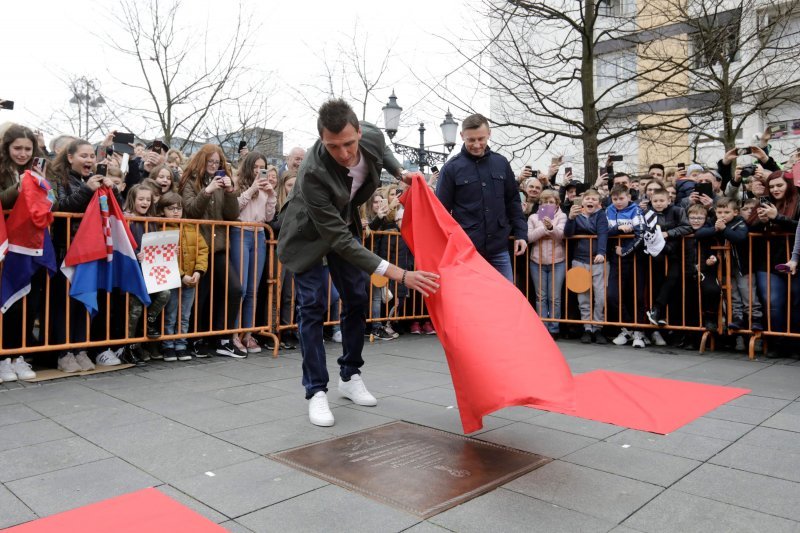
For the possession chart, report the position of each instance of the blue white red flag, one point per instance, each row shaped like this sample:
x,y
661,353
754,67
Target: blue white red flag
x,y
101,256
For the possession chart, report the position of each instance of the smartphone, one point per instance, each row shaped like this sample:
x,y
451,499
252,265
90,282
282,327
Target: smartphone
x,y
681,166
6,104
434,169
219,174
109,151
567,170
159,146
242,144
546,211
783,268
764,200
744,151
102,169
39,165
122,137
704,188
534,173
616,158
261,173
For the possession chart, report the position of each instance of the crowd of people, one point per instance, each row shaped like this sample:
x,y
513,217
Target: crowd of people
x,y
651,245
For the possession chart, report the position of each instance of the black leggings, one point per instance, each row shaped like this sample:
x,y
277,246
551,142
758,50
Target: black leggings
x,y
225,275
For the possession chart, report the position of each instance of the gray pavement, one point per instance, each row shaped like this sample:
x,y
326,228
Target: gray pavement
x,y
199,432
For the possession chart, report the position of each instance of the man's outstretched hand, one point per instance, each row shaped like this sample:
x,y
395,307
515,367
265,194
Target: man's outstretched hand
x,y
423,282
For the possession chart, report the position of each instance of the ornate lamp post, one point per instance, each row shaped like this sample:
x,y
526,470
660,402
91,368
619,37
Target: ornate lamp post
x,y
420,155
86,95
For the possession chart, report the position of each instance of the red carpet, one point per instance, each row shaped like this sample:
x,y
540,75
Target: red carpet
x,y
144,511
647,404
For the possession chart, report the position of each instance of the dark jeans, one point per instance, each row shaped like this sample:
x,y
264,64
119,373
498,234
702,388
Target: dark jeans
x,y
224,275
779,291
311,295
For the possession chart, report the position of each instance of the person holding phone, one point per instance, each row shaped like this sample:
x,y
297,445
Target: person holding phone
x,y
209,194
547,267
776,215
248,245
479,189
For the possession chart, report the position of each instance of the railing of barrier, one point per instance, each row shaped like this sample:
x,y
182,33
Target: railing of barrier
x,y
47,319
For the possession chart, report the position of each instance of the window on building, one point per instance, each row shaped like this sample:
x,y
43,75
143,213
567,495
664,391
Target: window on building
x,y
617,8
615,68
712,46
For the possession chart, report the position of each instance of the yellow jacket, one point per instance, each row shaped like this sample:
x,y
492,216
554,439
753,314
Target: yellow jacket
x,y
194,250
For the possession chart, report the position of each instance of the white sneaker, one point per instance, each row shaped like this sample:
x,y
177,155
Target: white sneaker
x,y
356,391
658,340
68,363
638,339
83,361
623,338
22,369
6,372
318,411
108,358
337,336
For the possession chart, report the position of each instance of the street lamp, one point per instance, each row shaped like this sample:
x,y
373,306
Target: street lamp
x,y
86,95
419,155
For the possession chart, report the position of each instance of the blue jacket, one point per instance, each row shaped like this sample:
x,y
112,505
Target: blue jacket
x,y
594,224
483,196
630,216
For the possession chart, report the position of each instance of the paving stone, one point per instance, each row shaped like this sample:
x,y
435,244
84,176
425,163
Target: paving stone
x,y
235,527
16,413
759,402
171,375
69,488
246,487
223,418
318,510
775,381
181,459
181,403
518,413
112,381
772,439
659,366
277,435
140,393
718,429
516,513
193,504
121,439
400,384
679,443
74,403
246,393
349,420
636,463
579,426
770,462
673,510
101,419
425,527
12,510
47,456
536,439
718,371
434,395
28,433
585,490
745,415
208,382
744,489
788,418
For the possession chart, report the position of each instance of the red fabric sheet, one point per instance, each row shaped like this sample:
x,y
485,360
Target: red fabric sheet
x,y
146,510
649,404
500,354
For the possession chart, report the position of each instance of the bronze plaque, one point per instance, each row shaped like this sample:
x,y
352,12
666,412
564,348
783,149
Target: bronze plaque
x,y
421,470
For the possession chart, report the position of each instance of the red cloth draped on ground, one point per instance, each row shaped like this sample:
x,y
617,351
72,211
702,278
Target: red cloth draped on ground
x,y
499,352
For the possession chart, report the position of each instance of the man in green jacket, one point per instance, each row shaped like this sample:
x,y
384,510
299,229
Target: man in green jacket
x,y
321,220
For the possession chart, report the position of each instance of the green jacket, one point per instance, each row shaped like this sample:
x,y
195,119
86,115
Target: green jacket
x,y
319,217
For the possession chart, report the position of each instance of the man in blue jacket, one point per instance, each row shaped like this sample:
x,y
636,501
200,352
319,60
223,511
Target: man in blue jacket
x,y
480,190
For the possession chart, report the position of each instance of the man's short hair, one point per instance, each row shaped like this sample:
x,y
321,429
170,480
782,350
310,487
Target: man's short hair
x,y
474,121
618,190
659,192
726,203
620,175
591,192
335,115
697,208
656,165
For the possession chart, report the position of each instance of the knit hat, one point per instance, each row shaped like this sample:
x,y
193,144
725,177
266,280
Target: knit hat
x,y
694,167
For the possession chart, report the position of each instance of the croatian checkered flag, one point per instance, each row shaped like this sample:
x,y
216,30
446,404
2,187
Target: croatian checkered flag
x,y
653,239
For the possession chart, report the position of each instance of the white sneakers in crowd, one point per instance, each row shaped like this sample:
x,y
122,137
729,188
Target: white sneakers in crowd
x,y
13,369
319,412
639,339
71,363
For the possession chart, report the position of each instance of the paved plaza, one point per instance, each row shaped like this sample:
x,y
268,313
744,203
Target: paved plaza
x,y
199,432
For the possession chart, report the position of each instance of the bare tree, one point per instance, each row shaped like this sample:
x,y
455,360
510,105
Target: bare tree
x,y
565,71
741,61
85,111
183,77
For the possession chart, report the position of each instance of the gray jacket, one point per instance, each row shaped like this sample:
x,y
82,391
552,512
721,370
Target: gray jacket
x,y
319,217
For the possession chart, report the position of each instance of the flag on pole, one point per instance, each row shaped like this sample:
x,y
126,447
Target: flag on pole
x,y
499,352
102,255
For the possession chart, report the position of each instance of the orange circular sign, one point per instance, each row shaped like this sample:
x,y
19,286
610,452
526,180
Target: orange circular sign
x,y
579,279
378,280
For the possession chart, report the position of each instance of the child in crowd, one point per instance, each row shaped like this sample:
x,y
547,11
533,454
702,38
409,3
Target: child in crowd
x,y
671,221
700,269
586,218
546,234
193,263
381,219
625,282
162,176
731,226
140,203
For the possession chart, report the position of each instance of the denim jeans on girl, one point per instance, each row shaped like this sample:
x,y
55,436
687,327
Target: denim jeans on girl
x,y
248,251
547,281
171,316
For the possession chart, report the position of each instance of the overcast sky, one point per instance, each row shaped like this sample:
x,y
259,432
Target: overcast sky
x,y
44,42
